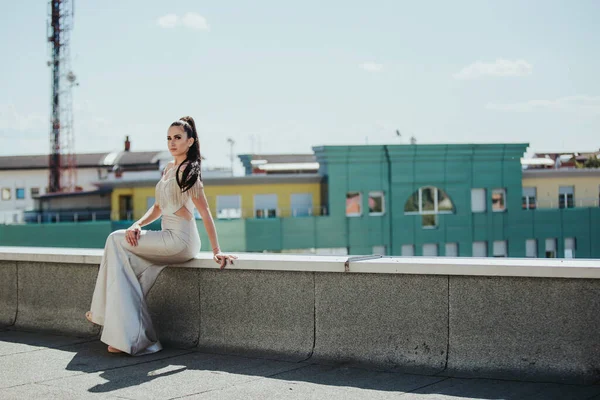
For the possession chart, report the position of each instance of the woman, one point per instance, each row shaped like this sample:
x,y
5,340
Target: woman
x,y
134,258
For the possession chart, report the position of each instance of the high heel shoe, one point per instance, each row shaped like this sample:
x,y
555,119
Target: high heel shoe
x,y
113,350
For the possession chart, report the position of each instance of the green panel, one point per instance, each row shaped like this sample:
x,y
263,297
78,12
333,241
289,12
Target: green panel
x,y
594,239
298,233
231,234
331,232
263,235
378,232
360,250
66,234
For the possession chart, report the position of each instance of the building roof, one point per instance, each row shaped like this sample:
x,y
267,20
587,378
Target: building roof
x,y
221,181
561,172
279,163
126,159
74,194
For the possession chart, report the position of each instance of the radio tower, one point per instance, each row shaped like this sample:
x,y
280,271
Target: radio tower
x,y
62,162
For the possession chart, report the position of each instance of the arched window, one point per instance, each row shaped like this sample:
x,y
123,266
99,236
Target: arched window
x,y
428,200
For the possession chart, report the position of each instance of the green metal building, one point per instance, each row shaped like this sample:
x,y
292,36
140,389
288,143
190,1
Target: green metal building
x,y
445,200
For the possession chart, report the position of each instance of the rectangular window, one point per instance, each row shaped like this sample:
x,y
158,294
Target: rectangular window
x,y
35,191
408,250
531,248
499,200
429,221
353,204
229,207
430,250
479,249
566,197
451,250
376,204
500,248
478,200
265,205
379,250
570,244
302,204
550,248
529,198
20,193
6,193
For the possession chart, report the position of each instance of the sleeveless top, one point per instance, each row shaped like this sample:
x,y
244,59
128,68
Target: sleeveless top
x,y
169,196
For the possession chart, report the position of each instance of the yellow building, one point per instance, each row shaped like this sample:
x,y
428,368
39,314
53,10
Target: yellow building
x,y
253,196
561,188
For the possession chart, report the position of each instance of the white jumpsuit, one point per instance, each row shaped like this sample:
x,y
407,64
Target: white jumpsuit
x,y
128,272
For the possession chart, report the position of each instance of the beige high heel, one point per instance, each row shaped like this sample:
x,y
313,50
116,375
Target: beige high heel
x,y
113,350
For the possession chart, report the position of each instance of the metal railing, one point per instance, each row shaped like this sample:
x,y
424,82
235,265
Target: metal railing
x,y
584,202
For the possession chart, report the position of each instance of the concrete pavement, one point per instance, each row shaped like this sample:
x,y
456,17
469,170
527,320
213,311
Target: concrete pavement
x,y
44,366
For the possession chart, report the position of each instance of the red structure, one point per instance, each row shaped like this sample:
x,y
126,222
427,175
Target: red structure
x,y
62,162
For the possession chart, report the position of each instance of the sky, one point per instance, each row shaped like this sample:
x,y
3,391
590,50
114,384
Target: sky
x,y
282,77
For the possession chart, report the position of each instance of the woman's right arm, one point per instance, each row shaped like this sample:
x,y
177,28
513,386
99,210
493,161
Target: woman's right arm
x,y
151,215
133,233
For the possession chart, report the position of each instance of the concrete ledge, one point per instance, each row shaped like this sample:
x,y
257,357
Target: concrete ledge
x,y
54,297
473,266
8,293
397,321
174,303
431,315
525,328
268,313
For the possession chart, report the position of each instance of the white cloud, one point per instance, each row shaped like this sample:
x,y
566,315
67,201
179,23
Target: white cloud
x,y
500,68
195,21
190,20
371,67
168,21
581,103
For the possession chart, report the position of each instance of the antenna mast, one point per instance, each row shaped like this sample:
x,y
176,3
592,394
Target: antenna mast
x,y
62,162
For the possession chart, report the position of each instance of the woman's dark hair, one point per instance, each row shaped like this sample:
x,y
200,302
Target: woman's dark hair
x,y
192,172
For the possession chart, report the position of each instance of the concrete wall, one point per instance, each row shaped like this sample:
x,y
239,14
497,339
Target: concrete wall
x,y
524,319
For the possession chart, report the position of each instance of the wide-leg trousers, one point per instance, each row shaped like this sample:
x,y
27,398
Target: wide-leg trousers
x,y
126,275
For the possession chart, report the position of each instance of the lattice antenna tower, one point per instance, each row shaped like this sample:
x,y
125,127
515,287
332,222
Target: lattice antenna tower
x,y
62,161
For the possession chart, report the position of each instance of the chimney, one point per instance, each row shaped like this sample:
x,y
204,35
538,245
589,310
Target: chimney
x,y
127,143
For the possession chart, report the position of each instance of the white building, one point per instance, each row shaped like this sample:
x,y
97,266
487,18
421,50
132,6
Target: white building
x,y
22,178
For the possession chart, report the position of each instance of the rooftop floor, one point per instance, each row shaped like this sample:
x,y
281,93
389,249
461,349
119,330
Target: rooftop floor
x,y
35,365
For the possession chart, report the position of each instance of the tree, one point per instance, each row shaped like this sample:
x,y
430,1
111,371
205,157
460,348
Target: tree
x,y
592,162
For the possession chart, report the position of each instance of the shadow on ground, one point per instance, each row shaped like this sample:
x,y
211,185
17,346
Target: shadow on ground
x,y
83,365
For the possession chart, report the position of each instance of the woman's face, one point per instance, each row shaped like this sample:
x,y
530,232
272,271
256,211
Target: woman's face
x,y
178,141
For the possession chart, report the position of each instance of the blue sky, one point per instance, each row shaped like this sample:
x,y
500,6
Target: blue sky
x,y
283,77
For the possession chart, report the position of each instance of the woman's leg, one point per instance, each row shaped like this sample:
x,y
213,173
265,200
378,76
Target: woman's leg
x,y
123,281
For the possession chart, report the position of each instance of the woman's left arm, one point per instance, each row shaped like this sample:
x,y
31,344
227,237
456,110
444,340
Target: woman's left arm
x,y
209,224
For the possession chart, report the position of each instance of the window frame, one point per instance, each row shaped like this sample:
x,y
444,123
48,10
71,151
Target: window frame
x,y
360,205
502,191
382,195
526,202
268,210
563,198
3,191
485,206
485,245
218,209
535,243
436,209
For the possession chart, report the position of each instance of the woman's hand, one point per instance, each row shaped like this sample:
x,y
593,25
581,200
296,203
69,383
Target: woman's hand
x,y
222,259
132,234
